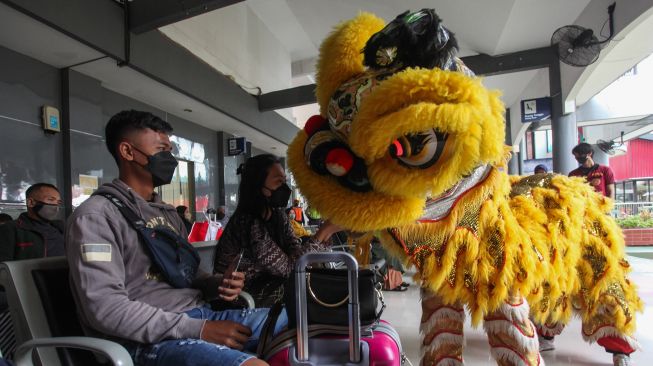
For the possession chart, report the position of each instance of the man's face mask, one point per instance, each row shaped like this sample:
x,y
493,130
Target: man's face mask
x,y
161,165
48,212
280,196
581,159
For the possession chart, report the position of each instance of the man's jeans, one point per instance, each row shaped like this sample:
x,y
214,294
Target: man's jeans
x,y
196,352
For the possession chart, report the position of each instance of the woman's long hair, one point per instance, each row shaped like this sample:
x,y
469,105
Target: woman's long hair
x,y
253,175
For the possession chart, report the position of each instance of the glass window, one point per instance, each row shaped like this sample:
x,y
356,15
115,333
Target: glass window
x,y
549,142
619,192
629,192
641,191
180,190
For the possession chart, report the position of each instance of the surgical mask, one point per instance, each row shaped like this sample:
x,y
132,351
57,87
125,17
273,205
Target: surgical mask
x,y
161,165
280,196
48,212
581,159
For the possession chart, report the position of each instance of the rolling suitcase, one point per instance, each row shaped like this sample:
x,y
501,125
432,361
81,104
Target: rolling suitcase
x,y
375,345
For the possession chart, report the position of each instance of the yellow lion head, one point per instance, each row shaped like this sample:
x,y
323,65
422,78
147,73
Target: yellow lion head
x,y
402,119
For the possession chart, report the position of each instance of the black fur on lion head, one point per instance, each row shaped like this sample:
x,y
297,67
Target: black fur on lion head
x,y
415,39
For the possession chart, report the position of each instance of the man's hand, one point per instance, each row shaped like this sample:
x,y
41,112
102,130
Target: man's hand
x,y
226,333
231,287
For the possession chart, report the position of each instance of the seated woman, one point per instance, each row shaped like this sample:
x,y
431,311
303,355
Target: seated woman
x,y
260,228
297,228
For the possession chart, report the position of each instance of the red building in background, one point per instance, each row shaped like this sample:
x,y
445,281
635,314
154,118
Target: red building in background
x,y
633,171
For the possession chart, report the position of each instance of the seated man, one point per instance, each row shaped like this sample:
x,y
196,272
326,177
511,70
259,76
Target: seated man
x,y
38,232
119,292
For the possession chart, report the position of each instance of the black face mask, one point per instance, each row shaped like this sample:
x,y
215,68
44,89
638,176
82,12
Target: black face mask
x,y
581,159
48,212
161,165
280,196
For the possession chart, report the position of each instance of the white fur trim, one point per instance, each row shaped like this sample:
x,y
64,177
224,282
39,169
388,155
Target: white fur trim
x,y
449,362
512,357
609,331
444,338
443,313
550,331
517,313
504,326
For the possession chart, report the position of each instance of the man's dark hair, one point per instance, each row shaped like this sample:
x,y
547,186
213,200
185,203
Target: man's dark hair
x,y
583,149
541,167
125,122
181,210
37,187
5,218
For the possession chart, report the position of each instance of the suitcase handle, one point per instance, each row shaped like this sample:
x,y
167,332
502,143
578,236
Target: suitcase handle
x,y
353,304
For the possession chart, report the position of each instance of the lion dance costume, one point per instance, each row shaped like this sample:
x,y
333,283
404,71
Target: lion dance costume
x,y
410,146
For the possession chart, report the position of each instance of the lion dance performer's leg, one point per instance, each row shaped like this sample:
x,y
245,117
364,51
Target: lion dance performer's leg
x,y
512,335
547,332
601,329
442,331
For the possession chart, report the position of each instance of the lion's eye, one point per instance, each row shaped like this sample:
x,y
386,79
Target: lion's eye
x,y
420,150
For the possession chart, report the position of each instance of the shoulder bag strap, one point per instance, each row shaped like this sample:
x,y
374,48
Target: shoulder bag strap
x,y
134,220
267,332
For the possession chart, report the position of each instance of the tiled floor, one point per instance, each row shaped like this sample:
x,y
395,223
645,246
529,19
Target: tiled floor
x,y
404,313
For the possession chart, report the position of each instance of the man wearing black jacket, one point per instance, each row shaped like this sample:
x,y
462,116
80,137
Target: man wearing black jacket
x,y
38,232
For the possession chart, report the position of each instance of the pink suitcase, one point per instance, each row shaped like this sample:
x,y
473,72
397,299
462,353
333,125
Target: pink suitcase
x,y
377,345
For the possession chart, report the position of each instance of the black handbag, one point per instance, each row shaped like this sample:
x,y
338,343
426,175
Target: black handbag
x,y
328,294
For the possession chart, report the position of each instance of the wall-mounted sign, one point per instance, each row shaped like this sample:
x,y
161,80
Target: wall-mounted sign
x,y
236,146
51,119
536,110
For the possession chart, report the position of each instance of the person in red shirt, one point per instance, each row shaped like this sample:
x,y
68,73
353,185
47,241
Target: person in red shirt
x,y
598,176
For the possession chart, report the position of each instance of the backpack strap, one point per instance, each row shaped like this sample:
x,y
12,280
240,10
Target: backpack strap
x,y
134,220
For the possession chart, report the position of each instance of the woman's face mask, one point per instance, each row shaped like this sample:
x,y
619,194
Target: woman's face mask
x,y
280,196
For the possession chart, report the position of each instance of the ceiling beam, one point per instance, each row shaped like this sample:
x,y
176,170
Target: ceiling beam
x,y
481,65
487,65
147,15
287,98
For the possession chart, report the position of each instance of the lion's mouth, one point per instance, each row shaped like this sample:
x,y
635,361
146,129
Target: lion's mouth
x,y
440,206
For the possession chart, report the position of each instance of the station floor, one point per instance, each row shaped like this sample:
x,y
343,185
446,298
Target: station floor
x,y
404,312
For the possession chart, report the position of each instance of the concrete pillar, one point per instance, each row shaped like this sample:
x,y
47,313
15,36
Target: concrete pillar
x,y
520,157
513,167
514,162
565,137
565,133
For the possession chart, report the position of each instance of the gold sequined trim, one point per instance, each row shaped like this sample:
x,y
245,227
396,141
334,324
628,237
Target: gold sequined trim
x,y
526,185
469,219
546,297
617,292
495,248
596,260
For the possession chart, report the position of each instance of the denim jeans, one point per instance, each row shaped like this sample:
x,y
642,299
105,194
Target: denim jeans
x,y
196,352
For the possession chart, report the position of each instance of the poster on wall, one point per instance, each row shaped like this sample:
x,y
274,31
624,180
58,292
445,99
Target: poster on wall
x,y
236,146
88,184
535,110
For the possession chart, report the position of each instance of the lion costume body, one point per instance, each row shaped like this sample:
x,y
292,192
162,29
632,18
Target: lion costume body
x,y
410,146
